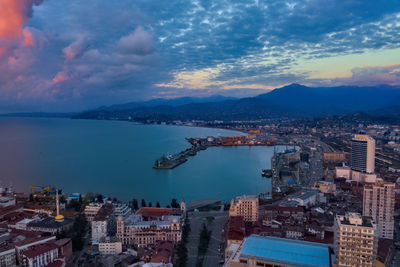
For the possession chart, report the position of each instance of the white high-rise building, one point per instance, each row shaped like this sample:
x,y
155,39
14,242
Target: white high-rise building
x,y
378,203
356,240
363,153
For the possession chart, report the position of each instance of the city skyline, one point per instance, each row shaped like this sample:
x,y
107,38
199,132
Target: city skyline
x,y
74,55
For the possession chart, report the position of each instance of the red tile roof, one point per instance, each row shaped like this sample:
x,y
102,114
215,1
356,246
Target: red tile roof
x,y
39,249
154,212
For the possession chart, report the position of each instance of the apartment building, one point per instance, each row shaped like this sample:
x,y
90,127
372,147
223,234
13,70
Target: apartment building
x,y
246,207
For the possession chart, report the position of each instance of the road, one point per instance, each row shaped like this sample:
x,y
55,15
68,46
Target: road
x,y
216,226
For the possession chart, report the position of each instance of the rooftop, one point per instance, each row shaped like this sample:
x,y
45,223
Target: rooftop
x,y
286,251
154,212
50,222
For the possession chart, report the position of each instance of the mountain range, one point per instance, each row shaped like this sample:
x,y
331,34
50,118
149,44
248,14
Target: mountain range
x,y
295,100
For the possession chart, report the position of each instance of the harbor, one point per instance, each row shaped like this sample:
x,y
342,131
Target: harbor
x,y
198,144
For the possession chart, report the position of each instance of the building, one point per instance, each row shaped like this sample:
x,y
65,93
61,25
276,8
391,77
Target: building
x,y
363,153
91,210
6,201
150,225
121,210
7,255
110,246
356,240
326,187
274,251
103,224
39,255
236,230
49,225
378,202
305,198
245,206
334,157
164,252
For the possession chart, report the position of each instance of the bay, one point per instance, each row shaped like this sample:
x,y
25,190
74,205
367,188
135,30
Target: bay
x,y
115,158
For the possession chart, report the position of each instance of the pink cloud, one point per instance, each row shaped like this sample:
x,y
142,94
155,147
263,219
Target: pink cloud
x,y
75,49
60,77
14,14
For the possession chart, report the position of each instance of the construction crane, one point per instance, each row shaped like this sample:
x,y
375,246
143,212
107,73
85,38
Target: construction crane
x,y
43,190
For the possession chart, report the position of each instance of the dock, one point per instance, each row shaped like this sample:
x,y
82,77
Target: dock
x,y
198,144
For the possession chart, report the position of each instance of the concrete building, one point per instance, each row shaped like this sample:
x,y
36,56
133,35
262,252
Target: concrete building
x,y
7,255
363,153
378,203
121,210
150,225
103,223
91,210
356,240
326,187
6,201
245,206
39,255
273,251
110,246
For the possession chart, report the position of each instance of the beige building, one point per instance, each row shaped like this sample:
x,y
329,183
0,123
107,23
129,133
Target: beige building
x,y
91,210
110,246
356,240
334,157
378,203
245,206
148,226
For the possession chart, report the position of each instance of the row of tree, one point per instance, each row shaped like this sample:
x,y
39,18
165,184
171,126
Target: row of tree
x,y
135,204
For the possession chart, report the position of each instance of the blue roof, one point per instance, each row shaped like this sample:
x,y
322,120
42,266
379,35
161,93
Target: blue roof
x,y
286,251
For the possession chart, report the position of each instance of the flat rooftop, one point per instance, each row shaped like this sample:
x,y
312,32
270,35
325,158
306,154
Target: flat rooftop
x,y
286,251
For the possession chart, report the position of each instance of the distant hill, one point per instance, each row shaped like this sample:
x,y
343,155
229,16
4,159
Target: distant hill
x,y
168,102
296,101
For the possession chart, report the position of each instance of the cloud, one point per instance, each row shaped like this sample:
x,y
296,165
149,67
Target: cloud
x,y
14,15
75,49
139,42
60,77
106,52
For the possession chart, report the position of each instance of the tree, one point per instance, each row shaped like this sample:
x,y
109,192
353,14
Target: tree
x,y
99,198
158,204
143,203
135,204
150,204
174,204
31,199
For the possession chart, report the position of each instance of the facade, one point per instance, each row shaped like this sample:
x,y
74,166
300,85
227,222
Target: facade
x,y
6,201
39,255
334,157
103,223
363,153
246,207
273,251
110,246
91,210
356,240
121,210
8,256
378,203
326,187
148,226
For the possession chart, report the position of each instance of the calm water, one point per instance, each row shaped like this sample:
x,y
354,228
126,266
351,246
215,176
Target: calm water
x,y
116,158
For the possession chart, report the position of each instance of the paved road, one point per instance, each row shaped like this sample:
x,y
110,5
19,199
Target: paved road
x,y
215,225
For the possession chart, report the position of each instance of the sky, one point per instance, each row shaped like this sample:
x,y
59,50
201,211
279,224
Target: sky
x,y
71,55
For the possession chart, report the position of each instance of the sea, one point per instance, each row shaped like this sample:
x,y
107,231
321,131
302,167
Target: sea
x,y
115,158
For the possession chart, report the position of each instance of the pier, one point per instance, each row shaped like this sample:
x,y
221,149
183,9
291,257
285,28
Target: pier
x,y
198,144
